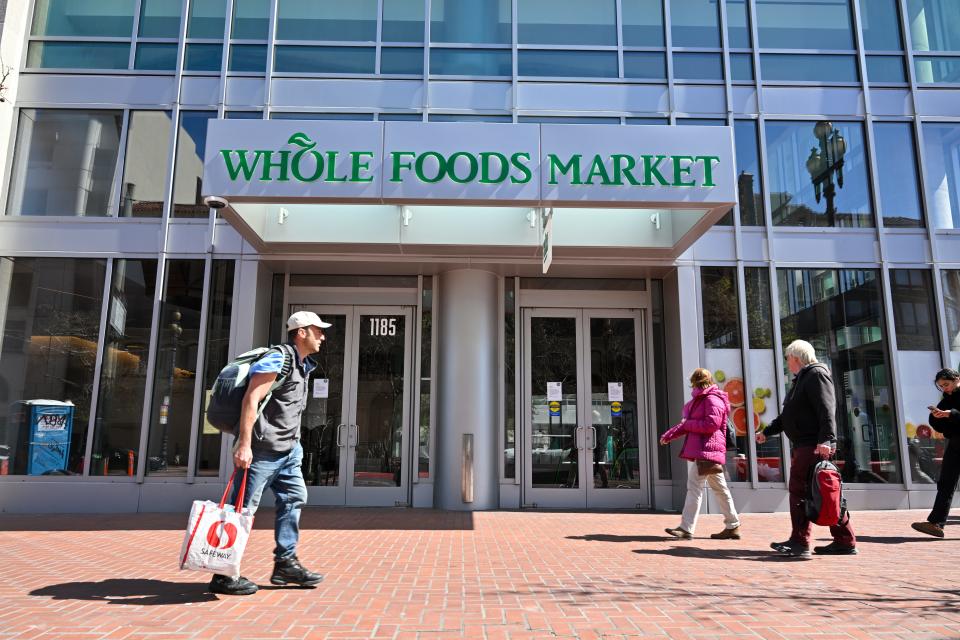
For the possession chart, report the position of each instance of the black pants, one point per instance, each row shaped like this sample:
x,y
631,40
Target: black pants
x,y
947,484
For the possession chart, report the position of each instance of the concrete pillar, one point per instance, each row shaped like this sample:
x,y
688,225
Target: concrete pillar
x,y
468,388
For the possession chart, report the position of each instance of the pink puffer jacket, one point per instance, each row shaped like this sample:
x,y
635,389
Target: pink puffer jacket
x,y
705,426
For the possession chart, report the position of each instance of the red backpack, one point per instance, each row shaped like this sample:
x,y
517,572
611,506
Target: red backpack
x,y
825,503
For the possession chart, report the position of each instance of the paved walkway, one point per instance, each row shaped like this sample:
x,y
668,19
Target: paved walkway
x,y
426,574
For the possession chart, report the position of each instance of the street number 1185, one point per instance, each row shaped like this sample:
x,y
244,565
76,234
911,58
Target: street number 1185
x,y
383,326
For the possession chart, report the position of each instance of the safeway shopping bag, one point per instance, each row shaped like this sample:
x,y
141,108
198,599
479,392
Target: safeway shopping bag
x,y
217,534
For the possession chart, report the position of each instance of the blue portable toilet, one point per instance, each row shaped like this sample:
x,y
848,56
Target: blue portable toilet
x,y
50,427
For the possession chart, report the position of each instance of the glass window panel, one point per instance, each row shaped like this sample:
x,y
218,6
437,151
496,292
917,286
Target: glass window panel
x,y
697,66
303,59
937,70
50,329
207,19
203,57
662,401
840,312
64,162
804,24
934,24
426,349
322,116
175,369
160,18
759,312
400,117
471,62
697,24
401,60
509,378
881,25
570,119
567,22
251,20
805,186
243,115
897,175
188,170
144,171
216,356
477,22
107,18
78,55
648,121
914,311
942,174
808,68
701,122
153,56
123,374
749,183
644,65
468,117
327,20
721,328
248,57
741,67
571,64
951,307
885,69
402,21
738,24
642,23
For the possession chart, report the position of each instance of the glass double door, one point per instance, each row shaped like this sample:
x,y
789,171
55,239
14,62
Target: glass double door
x,y
584,409
355,428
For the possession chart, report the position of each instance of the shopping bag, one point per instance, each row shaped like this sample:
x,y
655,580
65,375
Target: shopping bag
x,y
217,534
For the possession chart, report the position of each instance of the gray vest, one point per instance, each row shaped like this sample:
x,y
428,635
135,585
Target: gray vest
x,y
277,429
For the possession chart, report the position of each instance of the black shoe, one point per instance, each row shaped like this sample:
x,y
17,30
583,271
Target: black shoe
x,y
776,546
290,571
929,528
232,586
795,550
834,549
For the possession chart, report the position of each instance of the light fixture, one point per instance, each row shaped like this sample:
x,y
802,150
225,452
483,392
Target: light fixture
x,y
282,215
406,213
532,218
655,219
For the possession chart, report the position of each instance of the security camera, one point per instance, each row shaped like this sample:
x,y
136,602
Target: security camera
x,y
215,202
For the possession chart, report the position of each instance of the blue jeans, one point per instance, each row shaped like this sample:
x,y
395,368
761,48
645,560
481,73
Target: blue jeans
x,y
281,472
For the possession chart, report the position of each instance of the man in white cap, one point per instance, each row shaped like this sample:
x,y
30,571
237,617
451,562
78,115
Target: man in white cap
x,y
268,445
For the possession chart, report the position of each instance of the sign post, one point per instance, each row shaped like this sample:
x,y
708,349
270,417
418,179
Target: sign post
x,y
547,239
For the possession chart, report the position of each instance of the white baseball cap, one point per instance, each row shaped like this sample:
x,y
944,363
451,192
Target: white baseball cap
x,y
305,319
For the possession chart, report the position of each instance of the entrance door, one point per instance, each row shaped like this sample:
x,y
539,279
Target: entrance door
x,y
355,429
584,408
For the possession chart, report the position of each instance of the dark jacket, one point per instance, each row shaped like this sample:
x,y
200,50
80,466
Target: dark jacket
x,y
949,427
809,411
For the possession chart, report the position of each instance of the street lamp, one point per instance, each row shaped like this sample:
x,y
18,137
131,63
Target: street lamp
x,y
175,331
823,163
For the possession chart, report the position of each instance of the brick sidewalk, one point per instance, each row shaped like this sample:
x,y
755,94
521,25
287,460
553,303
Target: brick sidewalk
x,y
427,574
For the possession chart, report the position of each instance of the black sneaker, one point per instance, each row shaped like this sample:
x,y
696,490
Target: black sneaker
x,y
776,546
232,586
795,550
834,549
290,571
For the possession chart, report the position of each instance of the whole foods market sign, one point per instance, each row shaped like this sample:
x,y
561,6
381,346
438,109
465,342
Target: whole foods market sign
x,y
288,160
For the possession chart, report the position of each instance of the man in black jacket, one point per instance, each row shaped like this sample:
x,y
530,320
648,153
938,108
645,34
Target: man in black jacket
x,y
945,419
809,420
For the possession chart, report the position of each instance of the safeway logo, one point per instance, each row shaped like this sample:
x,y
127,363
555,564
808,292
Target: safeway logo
x,y
222,535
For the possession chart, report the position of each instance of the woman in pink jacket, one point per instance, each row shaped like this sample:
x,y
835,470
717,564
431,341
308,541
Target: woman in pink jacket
x,y
704,424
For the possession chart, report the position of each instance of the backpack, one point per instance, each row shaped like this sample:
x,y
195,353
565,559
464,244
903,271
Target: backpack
x,y
226,397
731,434
825,504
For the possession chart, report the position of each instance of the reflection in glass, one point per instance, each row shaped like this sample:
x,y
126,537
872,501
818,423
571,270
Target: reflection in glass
x,y
251,20
795,67
951,307
804,24
509,378
661,399
880,24
64,162
476,22
697,66
107,18
148,141
50,330
123,374
323,417
738,24
402,21
216,356
697,24
307,59
188,169
396,60
203,57
840,312
818,174
644,65
78,55
176,368
934,24
160,18
614,433
942,174
426,351
741,67
553,442
152,56
207,19
642,23
380,398
932,70
572,64
749,182
914,312
327,20
886,69
897,176
471,62
567,22
721,329
248,57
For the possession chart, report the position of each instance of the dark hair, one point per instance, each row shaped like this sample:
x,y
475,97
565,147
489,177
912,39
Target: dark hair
x,y
947,374
292,334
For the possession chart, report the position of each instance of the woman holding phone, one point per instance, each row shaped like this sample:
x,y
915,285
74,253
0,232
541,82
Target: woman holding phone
x,y
945,418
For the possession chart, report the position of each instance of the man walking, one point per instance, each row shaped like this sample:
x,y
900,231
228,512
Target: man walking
x,y
809,420
268,445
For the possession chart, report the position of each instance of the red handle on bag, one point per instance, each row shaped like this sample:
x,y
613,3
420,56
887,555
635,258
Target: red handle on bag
x,y
243,490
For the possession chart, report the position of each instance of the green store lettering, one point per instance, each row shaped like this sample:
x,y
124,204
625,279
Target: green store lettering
x,y
639,171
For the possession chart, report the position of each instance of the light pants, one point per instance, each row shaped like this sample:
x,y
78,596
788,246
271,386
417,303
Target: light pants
x,y
691,505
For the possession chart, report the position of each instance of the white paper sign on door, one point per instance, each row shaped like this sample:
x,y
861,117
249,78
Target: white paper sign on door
x,y
554,391
321,387
615,391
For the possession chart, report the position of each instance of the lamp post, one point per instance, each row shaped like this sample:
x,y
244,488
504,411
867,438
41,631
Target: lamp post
x,y
175,331
826,161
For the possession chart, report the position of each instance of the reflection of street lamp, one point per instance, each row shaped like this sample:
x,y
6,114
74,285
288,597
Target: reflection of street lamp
x,y
824,163
175,331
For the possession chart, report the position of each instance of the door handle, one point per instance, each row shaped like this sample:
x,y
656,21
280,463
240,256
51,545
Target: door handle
x,y
593,438
581,438
339,432
353,435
